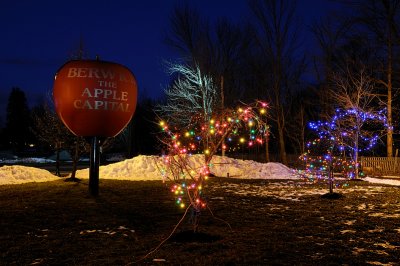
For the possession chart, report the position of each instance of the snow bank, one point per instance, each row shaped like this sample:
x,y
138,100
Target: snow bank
x,y
222,166
386,181
137,168
17,174
149,168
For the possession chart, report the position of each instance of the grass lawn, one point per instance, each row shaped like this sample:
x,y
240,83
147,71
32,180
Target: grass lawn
x,y
254,222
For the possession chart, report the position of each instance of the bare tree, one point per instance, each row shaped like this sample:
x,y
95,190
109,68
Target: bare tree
x,y
190,95
353,90
279,44
50,130
189,35
330,34
231,47
380,19
356,105
220,50
356,126
194,122
301,105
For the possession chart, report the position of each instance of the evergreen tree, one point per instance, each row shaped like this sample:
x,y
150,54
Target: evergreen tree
x,y
18,121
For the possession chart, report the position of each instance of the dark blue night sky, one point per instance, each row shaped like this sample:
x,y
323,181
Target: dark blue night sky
x,y
37,37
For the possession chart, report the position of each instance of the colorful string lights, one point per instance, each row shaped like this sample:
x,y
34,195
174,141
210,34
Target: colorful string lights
x,y
339,141
227,130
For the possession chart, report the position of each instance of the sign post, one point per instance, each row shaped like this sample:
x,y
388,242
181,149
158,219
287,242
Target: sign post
x,y
95,99
94,166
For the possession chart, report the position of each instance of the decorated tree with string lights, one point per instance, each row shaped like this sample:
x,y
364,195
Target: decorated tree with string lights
x,y
354,127
348,133
194,123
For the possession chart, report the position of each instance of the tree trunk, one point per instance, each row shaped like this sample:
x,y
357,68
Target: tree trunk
x,y
58,160
267,146
303,129
330,177
282,148
75,160
356,166
222,108
389,140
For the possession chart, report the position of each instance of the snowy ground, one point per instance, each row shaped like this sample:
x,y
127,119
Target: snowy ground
x,y
149,168
363,229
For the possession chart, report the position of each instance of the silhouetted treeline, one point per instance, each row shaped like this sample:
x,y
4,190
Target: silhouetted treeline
x,y
274,56
271,56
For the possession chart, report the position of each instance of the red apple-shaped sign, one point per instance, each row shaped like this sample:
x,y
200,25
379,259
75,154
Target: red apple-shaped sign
x,y
95,98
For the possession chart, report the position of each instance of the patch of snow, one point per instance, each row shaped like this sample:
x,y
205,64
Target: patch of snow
x,y
222,166
377,230
386,181
285,191
138,168
357,250
383,215
362,206
348,231
16,174
350,222
380,263
26,160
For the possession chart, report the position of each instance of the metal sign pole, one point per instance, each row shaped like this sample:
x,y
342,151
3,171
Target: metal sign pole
x,y
94,166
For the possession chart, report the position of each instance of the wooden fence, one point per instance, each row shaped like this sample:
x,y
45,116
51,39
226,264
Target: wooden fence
x,y
378,166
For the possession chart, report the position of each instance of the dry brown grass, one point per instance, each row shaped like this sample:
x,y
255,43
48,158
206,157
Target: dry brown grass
x,y
58,223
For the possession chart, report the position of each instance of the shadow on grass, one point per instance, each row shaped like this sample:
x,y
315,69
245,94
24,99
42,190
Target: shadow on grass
x,y
59,223
333,195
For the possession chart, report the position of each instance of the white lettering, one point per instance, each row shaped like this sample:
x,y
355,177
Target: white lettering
x,y
94,72
77,104
115,97
87,105
109,84
98,104
72,72
124,96
101,105
97,92
107,93
84,72
87,92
